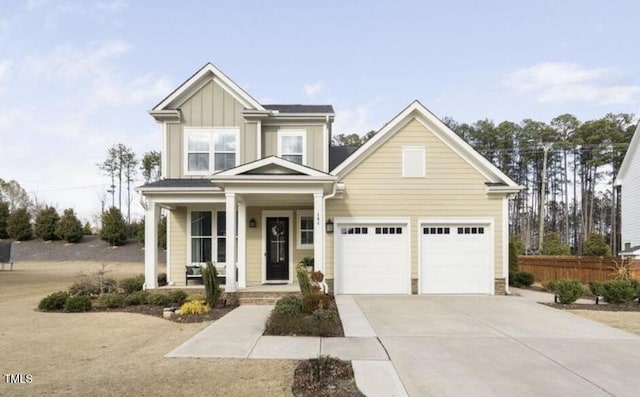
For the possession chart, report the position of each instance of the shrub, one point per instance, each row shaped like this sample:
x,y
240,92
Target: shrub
x,y
618,291
177,296
87,230
196,297
54,301
514,246
4,217
289,305
313,302
114,228
136,298
162,232
552,245
77,304
568,290
523,279
94,284
132,284
550,285
303,280
46,222
162,279
19,225
317,276
158,299
194,307
595,288
596,246
112,301
70,228
320,323
211,285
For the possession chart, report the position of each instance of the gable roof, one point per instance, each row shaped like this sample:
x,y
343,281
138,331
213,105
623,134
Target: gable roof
x,y
417,111
304,109
628,157
193,83
271,166
338,154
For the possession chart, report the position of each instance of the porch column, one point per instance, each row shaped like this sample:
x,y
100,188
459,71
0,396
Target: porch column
x,y
231,242
152,215
242,244
318,231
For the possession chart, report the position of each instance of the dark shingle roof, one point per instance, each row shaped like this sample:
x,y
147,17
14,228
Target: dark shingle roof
x,y
338,154
301,108
180,183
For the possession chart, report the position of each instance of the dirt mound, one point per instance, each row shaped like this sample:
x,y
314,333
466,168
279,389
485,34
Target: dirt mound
x,y
91,248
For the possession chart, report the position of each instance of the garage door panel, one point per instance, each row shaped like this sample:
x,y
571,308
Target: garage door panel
x,y
372,261
455,259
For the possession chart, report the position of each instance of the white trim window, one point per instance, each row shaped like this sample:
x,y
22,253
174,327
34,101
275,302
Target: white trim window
x,y
305,229
413,164
201,237
292,145
221,236
208,150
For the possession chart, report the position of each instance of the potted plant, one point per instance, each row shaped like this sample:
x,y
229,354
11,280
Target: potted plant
x,y
307,262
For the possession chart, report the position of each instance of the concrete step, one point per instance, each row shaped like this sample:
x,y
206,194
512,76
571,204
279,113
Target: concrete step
x,y
262,298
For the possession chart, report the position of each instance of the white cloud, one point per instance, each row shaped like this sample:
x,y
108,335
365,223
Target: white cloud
x,y
5,66
560,82
312,89
147,88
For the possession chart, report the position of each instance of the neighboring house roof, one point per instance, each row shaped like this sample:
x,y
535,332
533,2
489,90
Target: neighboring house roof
x,y
194,82
338,154
304,109
417,111
628,157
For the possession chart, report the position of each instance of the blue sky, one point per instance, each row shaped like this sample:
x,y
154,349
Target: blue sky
x,y
79,76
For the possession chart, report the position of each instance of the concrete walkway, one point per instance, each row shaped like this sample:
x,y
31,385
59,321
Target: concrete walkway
x,y
239,335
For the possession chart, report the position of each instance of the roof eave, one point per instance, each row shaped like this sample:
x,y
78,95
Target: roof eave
x,y
166,114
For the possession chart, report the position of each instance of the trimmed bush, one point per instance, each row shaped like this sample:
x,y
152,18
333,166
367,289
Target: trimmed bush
x,y
70,228
136,298
4,217
54,301
568,290
77,304
313,302
114,228
319,323
112,301
19,225
550,285
618,291
289,305
132,284
595,288
523,279
194,307
552,245
596,245
303,280
162,279
46,222
177,296
196,297
158,299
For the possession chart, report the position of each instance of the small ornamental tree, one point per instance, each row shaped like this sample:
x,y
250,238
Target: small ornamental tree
x,y
114,228
19,225
4,217
46,223
596,246
86,229
553,246
70,228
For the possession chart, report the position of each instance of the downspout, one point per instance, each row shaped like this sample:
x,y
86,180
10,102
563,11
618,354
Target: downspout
x,y
325,287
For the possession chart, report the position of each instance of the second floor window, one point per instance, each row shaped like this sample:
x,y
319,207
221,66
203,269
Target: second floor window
x,y
210,150
291,145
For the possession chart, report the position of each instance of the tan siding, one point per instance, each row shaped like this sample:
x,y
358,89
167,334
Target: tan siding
x,y
174,151
249,143
178,248
314,139
451,188
269,141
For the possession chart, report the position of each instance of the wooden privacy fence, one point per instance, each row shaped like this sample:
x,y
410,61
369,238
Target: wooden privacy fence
x,y
583,268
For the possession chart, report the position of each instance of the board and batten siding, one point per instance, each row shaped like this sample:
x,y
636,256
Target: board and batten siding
x,y
178,248
210,106
630,201
314,138
451,188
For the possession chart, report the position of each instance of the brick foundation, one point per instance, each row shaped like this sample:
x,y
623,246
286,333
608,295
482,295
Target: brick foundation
x,y
414,286
500,286
329,282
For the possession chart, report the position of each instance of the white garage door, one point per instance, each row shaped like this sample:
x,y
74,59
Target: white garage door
x,y
372,259
455,259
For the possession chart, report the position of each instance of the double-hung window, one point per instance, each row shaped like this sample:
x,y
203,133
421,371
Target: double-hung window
x,y
292,145
208,150
201,236
305,229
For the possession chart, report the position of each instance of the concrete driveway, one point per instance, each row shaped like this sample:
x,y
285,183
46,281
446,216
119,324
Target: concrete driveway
x,y
501,346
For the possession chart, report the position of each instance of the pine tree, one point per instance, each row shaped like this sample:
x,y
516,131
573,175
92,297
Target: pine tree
x,y
114,228
46,223
4,217
19,225
70,228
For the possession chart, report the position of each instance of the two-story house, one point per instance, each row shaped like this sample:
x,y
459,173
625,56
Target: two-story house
x,y
255,188
629,179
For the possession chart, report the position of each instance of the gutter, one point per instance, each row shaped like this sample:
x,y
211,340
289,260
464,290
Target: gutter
x,y
325,287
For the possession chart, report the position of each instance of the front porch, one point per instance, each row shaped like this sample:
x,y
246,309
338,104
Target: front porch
x,y
255,295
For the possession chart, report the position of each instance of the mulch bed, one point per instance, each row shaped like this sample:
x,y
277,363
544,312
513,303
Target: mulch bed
x,y
324,377
604,307
157,311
